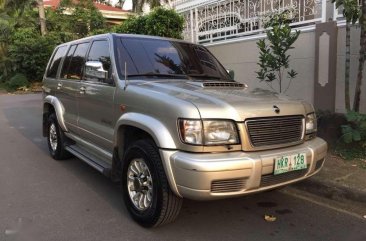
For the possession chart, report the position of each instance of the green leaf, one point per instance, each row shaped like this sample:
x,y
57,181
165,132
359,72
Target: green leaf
x,y
356,135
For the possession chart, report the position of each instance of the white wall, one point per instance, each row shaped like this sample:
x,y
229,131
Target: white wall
x,y
243,56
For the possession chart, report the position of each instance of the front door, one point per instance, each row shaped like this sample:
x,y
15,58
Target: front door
x,y
96,110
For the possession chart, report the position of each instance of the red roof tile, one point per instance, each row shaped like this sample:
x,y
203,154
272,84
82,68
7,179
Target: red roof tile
x,y
101,7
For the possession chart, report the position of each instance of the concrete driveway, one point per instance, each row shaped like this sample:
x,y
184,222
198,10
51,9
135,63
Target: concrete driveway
x,y
43,199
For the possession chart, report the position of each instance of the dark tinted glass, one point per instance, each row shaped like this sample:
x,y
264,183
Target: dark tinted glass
x,y
77,62
99,51
167,57
55,62
67,62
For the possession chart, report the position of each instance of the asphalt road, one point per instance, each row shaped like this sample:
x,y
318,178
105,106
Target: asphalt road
x,y
43,199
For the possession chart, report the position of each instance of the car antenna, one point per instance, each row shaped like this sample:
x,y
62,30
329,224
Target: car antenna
x,y
126,81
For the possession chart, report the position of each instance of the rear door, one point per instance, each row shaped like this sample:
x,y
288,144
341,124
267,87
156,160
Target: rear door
x,y
69,84
96,101
50,81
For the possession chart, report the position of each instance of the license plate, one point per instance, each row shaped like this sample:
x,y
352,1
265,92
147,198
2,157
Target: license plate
x,y
290,163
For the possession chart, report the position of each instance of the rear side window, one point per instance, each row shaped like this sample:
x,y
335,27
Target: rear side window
x,y
76,64
67,62
55,62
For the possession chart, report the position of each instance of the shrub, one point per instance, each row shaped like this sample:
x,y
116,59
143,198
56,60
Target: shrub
x,y
30,52
355,130
273,57
159,22
16,82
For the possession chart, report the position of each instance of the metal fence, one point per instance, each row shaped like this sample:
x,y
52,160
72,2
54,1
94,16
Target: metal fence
x,y
219,20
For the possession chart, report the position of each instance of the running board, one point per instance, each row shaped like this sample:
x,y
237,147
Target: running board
x,y
99,165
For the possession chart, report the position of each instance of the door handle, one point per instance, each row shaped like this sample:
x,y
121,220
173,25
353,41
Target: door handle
x,y
59,86
82,90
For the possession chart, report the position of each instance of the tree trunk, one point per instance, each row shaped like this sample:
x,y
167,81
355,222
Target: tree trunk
x,y
347,66
356,101
42,17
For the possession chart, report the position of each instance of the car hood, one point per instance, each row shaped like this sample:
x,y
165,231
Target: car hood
x,y
229,102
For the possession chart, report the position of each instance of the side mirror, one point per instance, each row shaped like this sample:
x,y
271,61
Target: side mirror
x,y
231,73
95,70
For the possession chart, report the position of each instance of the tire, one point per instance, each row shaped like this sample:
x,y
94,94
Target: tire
x,y
56,139
150,183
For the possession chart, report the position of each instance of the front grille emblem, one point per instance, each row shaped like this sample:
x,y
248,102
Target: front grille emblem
x,y
276,109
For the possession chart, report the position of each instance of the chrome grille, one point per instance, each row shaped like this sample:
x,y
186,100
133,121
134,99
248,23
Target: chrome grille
x,y
269,180
229,185
275,130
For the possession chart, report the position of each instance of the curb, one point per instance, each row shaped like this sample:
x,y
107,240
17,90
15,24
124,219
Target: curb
x,y
331,190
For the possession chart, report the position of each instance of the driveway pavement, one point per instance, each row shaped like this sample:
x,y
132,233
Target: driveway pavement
x,y
42,199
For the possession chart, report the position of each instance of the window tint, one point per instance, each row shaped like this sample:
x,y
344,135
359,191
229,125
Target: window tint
x,y
99,51
55,62
155,56
67,62
77,62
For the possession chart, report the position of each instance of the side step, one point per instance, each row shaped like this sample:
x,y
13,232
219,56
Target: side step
x,y
92,161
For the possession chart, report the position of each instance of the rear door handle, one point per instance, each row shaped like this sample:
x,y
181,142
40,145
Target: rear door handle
x,y
59,86
82,90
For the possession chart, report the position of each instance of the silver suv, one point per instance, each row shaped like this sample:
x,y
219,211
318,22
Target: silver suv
x,y
165,118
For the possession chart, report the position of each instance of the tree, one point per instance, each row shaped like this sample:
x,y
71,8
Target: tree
x,y
361,62
137,5
42,17
159,22
84,19
273,57
351,12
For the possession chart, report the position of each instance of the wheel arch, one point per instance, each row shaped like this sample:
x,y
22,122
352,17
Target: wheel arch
x,y
132,127
53,105
146,124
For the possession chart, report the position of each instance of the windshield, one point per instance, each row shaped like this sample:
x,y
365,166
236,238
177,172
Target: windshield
x,y
147,58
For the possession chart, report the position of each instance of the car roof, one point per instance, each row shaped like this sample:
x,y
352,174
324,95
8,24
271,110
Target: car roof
x,y
109,35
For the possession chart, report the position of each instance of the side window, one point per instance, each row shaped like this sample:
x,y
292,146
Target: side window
x,y
76,64
99,51
55,62
67,62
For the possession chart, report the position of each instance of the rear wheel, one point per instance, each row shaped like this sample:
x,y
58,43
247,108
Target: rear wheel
x,y
146,190
56,139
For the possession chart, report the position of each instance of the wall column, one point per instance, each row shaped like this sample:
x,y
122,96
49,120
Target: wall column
x,y
325,66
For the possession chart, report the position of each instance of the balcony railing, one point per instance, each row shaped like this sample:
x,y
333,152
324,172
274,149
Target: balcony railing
x,y
218,20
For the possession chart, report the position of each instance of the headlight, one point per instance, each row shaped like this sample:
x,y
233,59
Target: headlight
x,y
191,131
310,123
208,132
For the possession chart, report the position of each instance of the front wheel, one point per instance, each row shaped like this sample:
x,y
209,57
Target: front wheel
x,y
146,190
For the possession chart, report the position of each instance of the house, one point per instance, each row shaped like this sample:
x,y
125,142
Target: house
x,y
112,15
234,26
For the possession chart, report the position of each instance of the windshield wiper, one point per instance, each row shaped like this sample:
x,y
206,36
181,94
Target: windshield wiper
x,y
151,74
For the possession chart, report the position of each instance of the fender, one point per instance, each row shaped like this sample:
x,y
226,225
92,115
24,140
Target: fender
x,y
159,133
59,109
154,127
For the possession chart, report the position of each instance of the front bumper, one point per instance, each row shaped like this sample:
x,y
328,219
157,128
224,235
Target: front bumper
x,y
208,176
